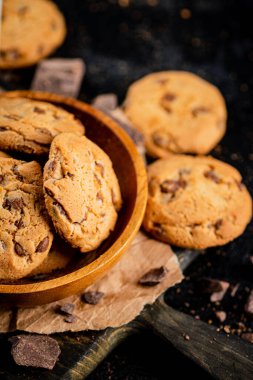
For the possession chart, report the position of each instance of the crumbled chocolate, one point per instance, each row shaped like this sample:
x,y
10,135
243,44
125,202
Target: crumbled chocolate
x,y
70,319
66,308
92,297
221,315
39,351
20,251
249,305
43,245
218,224
199,110
39,110
248,337
15,203
210,174
154,276
19,223
171,186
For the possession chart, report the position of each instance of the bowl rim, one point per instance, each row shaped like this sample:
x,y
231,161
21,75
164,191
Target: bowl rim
x,y
129,232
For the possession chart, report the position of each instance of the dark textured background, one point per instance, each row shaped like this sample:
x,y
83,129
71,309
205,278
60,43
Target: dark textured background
x,y
119,44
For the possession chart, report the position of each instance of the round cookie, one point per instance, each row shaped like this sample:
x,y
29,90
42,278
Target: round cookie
x,y
196,202
25,236
29,126
31,30
177,112
81,191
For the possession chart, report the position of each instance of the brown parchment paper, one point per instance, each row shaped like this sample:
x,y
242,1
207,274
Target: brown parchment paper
x,y
123,300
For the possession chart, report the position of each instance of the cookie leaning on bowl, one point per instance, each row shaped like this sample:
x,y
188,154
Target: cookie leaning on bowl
x,y
196,202
177,112
25,234
82,193
29,126
31,30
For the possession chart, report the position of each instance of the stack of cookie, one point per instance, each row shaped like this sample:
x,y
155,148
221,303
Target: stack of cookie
x,y
79,193
194,201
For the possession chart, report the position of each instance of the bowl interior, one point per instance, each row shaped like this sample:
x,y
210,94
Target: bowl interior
x,y
99,131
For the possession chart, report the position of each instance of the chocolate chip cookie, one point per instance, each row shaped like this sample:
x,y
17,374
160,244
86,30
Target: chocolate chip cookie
x,y
196,202
31,30
177,112
81,191
29,126
25,236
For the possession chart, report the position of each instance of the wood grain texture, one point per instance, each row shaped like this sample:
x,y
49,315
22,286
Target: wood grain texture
x,y
131,174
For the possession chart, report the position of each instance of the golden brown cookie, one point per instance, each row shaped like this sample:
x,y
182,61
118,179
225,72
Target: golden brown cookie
x,y
177,112
29,126
196,202
25,236
31,30
81,191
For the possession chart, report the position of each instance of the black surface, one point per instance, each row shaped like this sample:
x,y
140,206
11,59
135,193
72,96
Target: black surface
x,y
120,44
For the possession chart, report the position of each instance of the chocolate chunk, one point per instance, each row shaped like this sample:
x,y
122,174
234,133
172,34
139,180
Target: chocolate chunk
x,y
49,192
218,296
166,101
67,308
221,315
39,110
19,250
239,184
171,186
105,102
210,174
92,297
52,165
19,223
43,245
10,54
218,224
60,208
16,172
70,319
1,179
249,305
15,203
248,337
199,110
3,129
101,168
153,277
39,351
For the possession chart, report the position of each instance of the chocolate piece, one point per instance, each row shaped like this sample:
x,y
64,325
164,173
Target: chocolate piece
x,y
218,296
171,186
209,285
166,101
43,245
39,110
92,297
19,249
15,203
70,319
210,174
199,110
221,315
249,305
248,337
105,102
39,351
1,179
61,76
218,224
67,308
153,277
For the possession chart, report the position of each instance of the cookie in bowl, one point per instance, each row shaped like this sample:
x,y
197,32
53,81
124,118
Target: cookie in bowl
x,y
25,233
82,192
177,112
196,202
29,126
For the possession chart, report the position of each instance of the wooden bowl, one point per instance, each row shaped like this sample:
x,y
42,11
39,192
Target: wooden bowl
x,y
131,174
